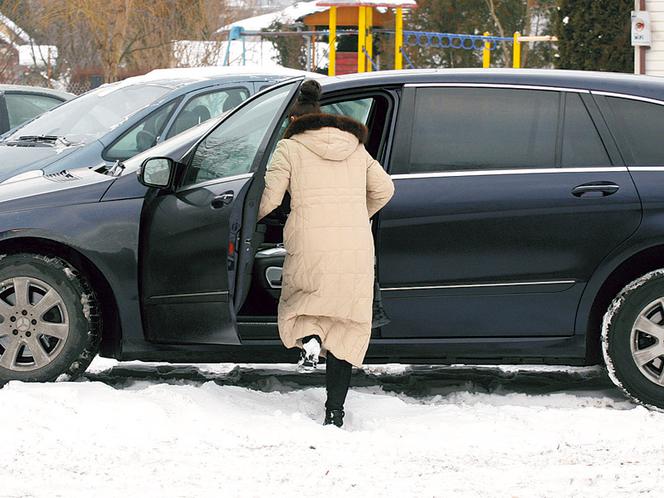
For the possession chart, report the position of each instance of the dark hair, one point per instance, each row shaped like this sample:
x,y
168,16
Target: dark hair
x,y
308,99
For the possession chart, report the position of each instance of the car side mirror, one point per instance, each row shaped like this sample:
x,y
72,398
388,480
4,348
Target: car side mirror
x,y
157,172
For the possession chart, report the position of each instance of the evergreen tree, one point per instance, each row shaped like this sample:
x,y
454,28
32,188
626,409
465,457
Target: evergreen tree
x,y
594,35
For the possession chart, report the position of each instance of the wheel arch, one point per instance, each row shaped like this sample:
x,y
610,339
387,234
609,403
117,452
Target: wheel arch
x,y
111,334
608,283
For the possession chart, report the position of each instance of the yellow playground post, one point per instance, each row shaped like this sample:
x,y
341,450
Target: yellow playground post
x,y
486,52
332,42
361,38
398,38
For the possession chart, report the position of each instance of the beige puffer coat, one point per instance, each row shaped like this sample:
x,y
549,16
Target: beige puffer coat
x,y
335,187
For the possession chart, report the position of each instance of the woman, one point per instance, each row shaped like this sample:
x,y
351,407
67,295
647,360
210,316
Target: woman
x,y
335,186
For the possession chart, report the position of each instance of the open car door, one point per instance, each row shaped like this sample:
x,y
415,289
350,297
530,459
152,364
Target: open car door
x,y
190,235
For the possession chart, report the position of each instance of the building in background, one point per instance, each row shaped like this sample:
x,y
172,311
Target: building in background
x,y
22,60
648,37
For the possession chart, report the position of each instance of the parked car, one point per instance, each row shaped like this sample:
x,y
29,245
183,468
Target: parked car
x,y
19,103
119,120
527,226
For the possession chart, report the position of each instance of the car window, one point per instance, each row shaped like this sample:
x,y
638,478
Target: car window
x,y
141,136
22,107
208,105
639,130
582,145
231,148
92,115
483,128
357,109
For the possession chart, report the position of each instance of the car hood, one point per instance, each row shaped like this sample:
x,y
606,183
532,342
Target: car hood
x,y
16,160
77,186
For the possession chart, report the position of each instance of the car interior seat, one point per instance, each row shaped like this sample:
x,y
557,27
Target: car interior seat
x,y
232,101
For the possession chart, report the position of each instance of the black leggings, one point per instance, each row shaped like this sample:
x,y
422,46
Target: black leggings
x,y
337,380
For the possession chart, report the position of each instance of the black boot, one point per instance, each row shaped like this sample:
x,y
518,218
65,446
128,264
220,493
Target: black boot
x,y
334,417
337,380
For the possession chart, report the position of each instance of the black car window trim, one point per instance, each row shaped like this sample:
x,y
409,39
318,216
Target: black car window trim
x,y
4,114
390,96
188,157
190,96
561,131
604,130
104,154
622,143
410,90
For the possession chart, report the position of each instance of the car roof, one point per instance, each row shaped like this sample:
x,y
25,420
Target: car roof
x,y
38,90
639,85
185,76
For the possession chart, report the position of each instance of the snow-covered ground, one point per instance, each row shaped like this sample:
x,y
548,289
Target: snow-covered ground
x,y
153,430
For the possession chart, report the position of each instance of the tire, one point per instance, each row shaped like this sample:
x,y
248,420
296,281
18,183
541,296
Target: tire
x,y
635,357
50,326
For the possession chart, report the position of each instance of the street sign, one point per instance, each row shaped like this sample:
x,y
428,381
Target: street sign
x,y
640,28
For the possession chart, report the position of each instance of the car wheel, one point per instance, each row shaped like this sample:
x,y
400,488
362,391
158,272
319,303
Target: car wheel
x,y
633,340
49,319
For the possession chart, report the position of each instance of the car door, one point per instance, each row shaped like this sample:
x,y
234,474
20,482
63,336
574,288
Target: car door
x,y
506,200
188,235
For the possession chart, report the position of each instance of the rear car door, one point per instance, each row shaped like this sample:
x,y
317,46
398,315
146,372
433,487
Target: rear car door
x,y
507,198
188,235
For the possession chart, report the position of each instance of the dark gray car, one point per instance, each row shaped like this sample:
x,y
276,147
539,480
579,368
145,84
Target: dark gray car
x,y
117,121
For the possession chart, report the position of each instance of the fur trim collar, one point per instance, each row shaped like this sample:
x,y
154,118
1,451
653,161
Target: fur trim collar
x,y
318,121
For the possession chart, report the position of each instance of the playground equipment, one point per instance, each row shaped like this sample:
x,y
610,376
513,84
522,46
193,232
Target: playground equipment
x,y
485,42
335,19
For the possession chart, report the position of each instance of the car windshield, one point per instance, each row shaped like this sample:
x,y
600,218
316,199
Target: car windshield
x,y
93,114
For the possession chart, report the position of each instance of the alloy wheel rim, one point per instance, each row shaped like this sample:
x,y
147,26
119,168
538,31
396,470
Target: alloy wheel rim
x,y
34,326
647,341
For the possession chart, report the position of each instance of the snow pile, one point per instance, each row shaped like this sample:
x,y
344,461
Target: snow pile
x,y
229,430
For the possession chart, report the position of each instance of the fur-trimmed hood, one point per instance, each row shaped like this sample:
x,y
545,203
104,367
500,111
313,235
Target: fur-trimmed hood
x,y
328,135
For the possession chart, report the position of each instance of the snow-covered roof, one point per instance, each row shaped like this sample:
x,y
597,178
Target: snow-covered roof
x,y
289,15
15,30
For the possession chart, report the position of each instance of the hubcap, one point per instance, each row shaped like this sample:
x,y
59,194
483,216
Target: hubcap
x,y
34,325
647,341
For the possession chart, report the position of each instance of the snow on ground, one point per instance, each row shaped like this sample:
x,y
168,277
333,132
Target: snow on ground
x,y
141,429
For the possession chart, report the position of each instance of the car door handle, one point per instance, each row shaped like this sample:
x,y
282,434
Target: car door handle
x,y
604,188
222,200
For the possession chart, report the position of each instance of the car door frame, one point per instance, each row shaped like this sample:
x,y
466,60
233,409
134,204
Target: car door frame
x,y
243,278
230,333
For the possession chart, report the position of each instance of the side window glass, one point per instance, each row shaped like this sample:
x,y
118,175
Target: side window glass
x,y
582,145
23,107
232,146
356,109
207,106
639,130
142,136
483,128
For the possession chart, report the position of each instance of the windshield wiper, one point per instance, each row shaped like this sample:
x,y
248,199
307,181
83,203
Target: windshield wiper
x,y
115,170
44,138
37,141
